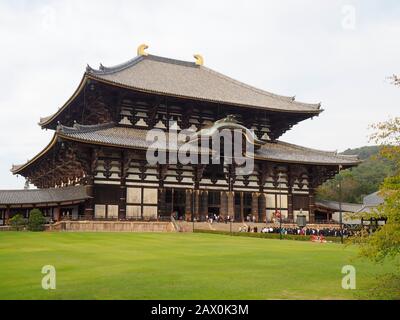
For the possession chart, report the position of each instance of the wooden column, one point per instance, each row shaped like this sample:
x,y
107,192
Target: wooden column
x,y
7,215
197,176
290,195
254,205
162,206
56,213
124,167
223,211
188,204
242,206
89,203
262,208
311,209
290,204
231,204
122,201
162,170
196,204
204,204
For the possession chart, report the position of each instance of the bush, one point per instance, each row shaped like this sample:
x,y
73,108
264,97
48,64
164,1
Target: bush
x,y
18,222
36,220
266,235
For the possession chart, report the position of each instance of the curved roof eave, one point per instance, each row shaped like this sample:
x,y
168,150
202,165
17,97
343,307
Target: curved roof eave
x,y
47,120
19,168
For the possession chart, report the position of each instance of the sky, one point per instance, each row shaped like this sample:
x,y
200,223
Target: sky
x,y
339,53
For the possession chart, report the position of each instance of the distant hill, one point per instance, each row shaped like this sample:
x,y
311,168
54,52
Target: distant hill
x,y
359,181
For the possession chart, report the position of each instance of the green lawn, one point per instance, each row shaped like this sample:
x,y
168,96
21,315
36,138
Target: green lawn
x,y
177,266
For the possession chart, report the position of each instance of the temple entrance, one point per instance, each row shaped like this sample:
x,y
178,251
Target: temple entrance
x,y
243,201
214,202
175,201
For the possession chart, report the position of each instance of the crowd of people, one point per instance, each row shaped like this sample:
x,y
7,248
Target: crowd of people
x,y
326,232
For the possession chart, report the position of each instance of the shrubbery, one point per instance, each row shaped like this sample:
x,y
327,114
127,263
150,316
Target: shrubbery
x,y
18,222
36,220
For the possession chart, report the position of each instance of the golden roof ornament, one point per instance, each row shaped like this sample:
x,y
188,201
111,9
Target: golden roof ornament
x,y
141,50
199,59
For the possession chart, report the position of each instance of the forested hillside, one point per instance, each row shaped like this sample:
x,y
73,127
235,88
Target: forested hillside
x,y
359,181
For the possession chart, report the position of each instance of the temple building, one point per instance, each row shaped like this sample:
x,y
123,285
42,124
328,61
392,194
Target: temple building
x,y
95,166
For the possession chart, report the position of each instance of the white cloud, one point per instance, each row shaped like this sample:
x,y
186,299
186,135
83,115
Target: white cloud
x,y
288,47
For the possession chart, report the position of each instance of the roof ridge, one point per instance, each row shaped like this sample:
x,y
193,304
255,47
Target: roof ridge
x,y
103,70
113,69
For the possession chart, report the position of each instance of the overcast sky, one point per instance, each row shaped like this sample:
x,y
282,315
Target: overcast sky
x,y
339,53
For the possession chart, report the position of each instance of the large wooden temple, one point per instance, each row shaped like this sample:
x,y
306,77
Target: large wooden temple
x,y
95,166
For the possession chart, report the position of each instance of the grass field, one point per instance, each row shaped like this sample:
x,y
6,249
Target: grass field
x,y
177,266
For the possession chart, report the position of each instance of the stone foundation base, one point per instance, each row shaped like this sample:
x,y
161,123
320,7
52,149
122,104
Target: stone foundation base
x,y
111,226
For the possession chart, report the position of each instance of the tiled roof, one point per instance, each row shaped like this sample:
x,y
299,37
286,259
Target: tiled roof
x,y
111,134
136,138
40,196
184,79
286,152
373,199
334,205
371,202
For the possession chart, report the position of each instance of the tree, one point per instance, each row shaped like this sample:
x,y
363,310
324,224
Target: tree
x,y
385,242
36,220
18,222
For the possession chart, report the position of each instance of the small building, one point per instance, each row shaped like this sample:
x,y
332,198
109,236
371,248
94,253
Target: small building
x,y
95,166
330,210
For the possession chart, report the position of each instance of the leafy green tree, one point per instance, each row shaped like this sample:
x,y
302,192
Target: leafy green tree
x,y
36,220
385,242
18,222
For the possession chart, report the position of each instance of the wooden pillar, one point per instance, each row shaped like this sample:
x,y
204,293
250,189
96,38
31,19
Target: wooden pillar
x,y
124,167
231,203
254,205
196,204
188,204
162,206
262,208
56,213
197,176
204,204
311,209
242,206
89,203
290,204
223,211
122,200
7,215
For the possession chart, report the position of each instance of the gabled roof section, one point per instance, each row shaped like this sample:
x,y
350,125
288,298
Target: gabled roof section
x,y
187,80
